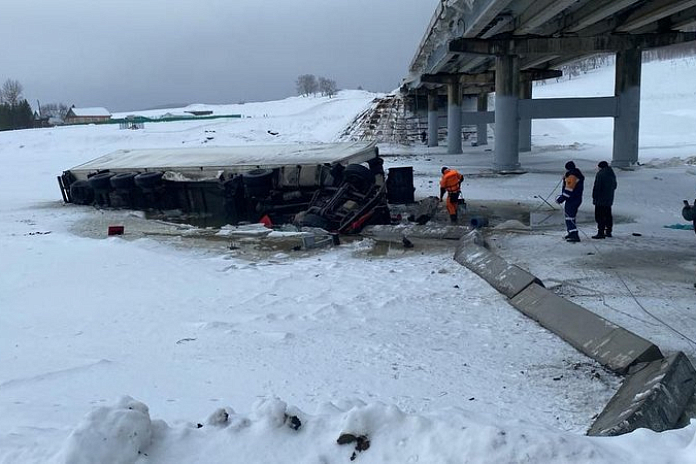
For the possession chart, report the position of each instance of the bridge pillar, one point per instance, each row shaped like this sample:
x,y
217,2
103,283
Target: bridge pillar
x,y
627,121
468,106
433,123
454,118
525,123
482,127
507,130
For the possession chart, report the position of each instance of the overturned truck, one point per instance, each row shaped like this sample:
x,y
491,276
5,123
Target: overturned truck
x,y
339,187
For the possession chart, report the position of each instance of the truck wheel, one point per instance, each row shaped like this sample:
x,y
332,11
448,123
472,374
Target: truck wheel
x,y
101,181
257,176
148,180
359,176
124,180
81,193
258,182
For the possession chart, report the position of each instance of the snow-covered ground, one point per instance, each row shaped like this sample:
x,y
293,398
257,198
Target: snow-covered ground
x,y
135,350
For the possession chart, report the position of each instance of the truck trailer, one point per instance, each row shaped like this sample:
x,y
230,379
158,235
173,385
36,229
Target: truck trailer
x,y
336,186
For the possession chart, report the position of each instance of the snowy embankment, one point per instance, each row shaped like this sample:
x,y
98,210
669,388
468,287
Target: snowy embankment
x,y
350,431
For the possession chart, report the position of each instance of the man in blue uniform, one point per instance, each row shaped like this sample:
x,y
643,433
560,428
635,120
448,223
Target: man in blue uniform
x,y
573,183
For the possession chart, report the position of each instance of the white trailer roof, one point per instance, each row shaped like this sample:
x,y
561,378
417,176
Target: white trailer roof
x,y
229,159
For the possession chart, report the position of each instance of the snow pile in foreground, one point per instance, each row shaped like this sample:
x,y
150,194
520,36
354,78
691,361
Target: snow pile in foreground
x,y
352,431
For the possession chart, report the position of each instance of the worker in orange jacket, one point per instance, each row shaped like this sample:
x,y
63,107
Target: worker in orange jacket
x,y
450,183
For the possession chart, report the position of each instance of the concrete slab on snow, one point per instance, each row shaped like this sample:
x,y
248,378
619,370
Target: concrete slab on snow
x,y
430,231
653,397
612,346
507,278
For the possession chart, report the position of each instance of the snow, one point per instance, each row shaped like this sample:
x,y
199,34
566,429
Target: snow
x,y
95,111
168,346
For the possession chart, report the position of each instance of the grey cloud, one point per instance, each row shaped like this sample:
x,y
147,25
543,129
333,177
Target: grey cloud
x,y
129,54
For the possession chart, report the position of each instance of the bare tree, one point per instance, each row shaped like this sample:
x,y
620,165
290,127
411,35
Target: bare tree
x,y
327,87
306,85
54,110
11,92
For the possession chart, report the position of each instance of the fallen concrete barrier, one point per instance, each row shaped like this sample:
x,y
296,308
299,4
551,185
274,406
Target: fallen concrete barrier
x,y
656,391
610,345
507,278
394,233
653,397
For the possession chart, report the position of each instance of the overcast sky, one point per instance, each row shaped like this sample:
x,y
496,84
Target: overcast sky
x,y
137,54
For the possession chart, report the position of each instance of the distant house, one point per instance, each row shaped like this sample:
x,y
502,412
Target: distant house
x,y
40,121
46,121
87,115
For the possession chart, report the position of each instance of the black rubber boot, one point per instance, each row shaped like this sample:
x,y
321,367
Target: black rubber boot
x,y
453,218
607,233
573,237
599,235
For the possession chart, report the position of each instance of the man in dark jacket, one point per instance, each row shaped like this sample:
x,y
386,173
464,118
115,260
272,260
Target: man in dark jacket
x,y
573,184
603,198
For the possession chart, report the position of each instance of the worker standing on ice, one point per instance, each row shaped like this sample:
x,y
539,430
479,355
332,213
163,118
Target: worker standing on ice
x,y
451,183
603,198
573,183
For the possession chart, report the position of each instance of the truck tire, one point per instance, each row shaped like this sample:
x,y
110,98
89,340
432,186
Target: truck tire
x,y
124,180
148,180
258,182
101,181
359,176
81,193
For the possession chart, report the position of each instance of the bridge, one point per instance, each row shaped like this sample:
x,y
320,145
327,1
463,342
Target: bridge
x,y
474,47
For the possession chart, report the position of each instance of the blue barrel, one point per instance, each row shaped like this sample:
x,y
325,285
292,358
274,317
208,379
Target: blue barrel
x,y
477,222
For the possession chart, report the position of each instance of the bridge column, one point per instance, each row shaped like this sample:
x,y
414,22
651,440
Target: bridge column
x,y
468,106
454,118
627,121
482,127
507,131
433,123
525,123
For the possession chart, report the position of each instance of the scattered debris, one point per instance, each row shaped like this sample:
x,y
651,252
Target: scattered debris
x,y
425,211
293,422
362,443
115,230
